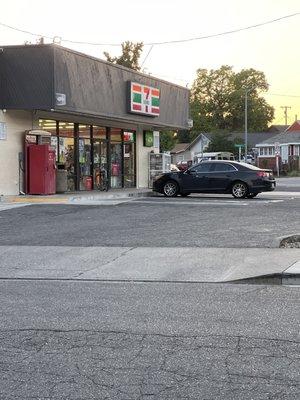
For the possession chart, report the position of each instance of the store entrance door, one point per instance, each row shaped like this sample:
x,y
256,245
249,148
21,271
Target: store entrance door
x,y
100,180
116,166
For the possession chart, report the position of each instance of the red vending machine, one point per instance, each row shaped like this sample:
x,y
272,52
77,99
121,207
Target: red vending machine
x,y
41,169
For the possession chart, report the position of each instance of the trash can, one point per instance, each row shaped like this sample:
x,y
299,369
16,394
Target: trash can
x,y
61,180
88,183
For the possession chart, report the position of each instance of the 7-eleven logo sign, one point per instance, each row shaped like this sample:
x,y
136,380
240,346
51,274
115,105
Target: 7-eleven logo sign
x,y
144,99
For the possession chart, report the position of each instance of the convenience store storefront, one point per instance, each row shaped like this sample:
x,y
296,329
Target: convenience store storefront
x,y
90,153
100,119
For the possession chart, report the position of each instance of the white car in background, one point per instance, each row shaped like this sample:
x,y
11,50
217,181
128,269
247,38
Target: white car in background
x,y
249,160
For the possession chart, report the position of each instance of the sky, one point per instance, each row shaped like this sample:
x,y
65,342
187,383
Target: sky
x,y
273,48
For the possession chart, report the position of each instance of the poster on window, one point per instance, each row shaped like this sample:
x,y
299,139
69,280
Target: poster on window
x,y
3,134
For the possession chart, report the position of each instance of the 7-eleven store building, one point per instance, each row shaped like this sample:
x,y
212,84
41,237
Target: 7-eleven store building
x,y
95,116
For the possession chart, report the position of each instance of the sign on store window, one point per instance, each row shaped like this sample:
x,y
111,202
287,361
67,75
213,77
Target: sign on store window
x,y
148,139
144,99
3,134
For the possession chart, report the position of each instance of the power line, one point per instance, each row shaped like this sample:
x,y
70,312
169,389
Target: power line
x,y
226,32
27,32
282,95
164,42
147,56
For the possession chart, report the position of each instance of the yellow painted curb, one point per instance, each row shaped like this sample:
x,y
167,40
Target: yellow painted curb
x,y
38,200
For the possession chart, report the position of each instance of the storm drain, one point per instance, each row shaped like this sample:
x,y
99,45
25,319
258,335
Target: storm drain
x,y
290,242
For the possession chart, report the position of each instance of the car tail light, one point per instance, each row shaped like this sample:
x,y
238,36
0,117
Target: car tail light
x,y
263,174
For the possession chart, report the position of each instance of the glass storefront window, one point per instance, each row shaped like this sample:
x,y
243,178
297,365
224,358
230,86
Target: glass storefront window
x,y
66,129
129,159
116,165
84,143
66,160
49,126
85,164
129,165
66,153
92,154
99,132
85,131
100,164
115,135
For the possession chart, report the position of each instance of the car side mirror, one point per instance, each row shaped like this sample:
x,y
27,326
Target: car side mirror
x,y
190,171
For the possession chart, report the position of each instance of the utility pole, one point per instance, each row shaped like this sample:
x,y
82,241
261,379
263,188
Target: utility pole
x,y
246,123
247,90
285,113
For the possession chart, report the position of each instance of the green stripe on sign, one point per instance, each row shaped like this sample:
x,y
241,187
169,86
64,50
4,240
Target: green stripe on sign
x,y
155,101
137,98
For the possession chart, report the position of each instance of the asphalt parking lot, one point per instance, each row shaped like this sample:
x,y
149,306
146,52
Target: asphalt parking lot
x,y
199,221
76,323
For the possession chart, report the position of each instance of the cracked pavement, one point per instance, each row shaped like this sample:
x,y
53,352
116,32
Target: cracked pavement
x,y
53,364
97,340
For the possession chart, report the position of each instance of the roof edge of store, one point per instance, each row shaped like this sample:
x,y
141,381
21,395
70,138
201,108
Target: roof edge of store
x,y
79,53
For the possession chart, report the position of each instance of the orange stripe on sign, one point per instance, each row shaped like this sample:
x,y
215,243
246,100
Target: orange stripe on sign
x,y
155,92
136,88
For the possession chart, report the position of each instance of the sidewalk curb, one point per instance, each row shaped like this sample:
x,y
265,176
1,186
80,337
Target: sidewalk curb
x,y
74,198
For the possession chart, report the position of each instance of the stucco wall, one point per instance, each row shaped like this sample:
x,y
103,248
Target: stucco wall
x,y
142,155
16,124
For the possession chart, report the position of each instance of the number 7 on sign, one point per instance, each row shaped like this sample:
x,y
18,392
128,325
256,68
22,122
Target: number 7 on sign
x,y
146,98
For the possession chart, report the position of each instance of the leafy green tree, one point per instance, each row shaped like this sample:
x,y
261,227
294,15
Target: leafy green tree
x,y
218,100
168,139
130,56
185,136
221,141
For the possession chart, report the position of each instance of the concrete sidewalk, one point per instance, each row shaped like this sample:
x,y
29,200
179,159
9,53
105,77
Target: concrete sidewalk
x,y
144,263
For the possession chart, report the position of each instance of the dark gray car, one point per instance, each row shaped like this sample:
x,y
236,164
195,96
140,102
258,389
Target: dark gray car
x,y
240,179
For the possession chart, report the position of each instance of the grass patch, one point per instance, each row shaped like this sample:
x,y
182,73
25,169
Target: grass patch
x,y
293,174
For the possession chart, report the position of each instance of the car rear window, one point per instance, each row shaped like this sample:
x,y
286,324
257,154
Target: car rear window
x,y
223,167
249,166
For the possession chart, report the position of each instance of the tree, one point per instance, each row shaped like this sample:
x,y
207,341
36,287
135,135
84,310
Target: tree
x,y
185,136
221,141
130,56
167,140
218,100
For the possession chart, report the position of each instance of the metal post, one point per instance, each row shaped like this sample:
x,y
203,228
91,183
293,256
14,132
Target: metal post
x,y
277,165
246,123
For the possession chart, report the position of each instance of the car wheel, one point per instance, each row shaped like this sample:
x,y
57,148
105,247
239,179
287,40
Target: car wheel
x,y
170,189
184,194
251,195
239,190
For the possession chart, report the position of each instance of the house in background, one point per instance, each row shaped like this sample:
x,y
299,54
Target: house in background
x,y
252,138
286,144
187,151
277,128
